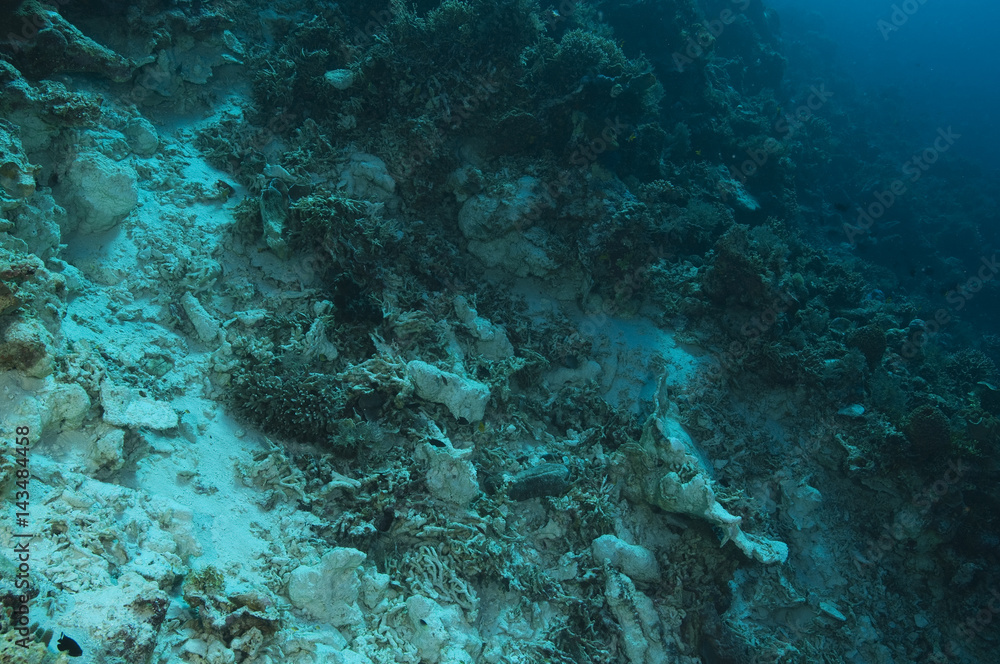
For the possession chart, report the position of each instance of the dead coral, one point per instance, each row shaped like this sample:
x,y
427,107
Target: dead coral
x,y
49,44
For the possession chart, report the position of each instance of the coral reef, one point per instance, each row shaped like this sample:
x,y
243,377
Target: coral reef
x,y
466,331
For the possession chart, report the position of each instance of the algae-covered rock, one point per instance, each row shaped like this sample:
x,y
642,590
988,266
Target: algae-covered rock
x,y
9,302
142,137
366,178
546,479
101,192
49,44
499,229
38,222
928,430
17,176
26,345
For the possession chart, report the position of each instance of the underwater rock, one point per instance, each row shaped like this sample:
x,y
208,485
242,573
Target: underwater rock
x,y
492,339
205,326
484,217
9,302
108,450
464,397
50,409
17,176
636,615
580,375
546,479
800,502
65,405
274,215
245,616
500,233
53,408
928,430
668,472
522,255
732,190
853,411
636,562
340,78
38,221
142,137
329,590
120,620
440,634
58,46
101,191
26,345
185,61
126,407
451,476
871,341
43,110
366,178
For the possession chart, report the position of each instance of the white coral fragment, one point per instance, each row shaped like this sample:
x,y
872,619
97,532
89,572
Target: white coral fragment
x,y
671,475
634,561
205,325
462,396
329,590
451,477
440,633
125,407
641,632
493,343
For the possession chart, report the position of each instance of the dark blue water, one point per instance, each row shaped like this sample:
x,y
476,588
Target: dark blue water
x,y
943,58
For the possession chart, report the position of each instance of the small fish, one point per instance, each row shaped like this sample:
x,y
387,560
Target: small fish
x,y
698,152
631,138
224,189
69,646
